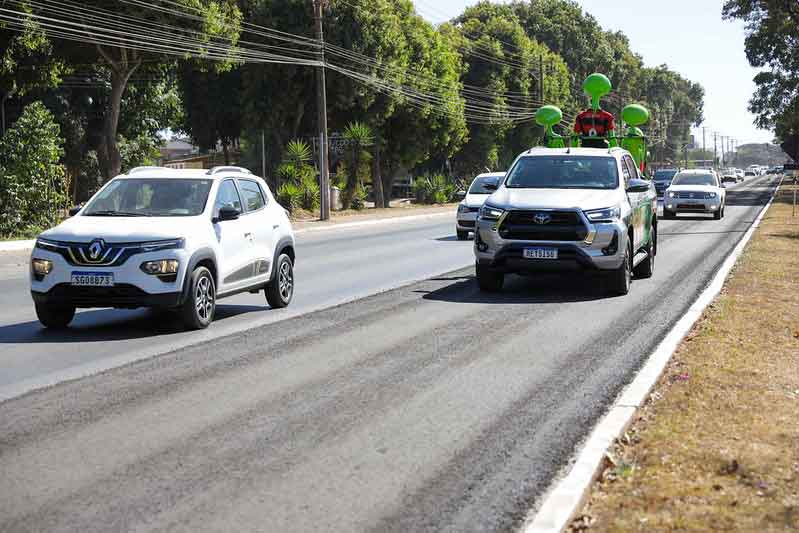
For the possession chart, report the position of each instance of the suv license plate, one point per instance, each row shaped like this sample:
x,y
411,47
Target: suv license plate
x,y
92,279
540,253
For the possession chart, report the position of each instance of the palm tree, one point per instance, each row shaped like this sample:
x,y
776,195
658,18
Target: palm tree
x,y
359,137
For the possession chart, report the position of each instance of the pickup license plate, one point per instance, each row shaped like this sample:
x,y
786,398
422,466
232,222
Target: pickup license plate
x,y
540,253
92,279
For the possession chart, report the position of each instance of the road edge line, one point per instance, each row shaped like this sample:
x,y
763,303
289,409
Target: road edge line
x,y
567,496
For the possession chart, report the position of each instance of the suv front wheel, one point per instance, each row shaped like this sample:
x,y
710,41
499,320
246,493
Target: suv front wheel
x,y
54,317
198,309
280,290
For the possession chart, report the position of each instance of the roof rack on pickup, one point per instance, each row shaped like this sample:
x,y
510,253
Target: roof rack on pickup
x,y
142,169
215,170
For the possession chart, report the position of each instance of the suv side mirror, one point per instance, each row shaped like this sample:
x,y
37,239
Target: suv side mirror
x,y
227,213
74,211
636,185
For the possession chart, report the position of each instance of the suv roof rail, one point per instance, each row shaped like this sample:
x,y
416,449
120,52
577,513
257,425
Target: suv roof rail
x,y
215,170
142,169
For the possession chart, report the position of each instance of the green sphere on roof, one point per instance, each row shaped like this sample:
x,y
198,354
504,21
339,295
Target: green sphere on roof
x,y
635,115
548,115
597,85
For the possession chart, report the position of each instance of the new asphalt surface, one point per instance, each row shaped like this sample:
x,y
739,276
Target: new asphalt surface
x,y
428,407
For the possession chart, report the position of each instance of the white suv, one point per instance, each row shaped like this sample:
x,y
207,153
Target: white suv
x,y
159,237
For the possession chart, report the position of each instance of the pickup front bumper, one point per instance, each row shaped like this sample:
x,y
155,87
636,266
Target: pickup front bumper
x,y
597,246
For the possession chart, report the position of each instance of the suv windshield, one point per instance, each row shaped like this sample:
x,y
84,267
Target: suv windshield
x,y
478,185
159,197
564,172
694,179
664,175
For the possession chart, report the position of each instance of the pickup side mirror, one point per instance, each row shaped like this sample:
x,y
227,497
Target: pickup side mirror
x,y
636,185
74,210
227,213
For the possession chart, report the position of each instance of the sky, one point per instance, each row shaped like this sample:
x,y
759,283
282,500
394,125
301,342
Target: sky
x,y
687,35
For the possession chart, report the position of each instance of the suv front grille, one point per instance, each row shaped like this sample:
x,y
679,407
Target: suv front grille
x,y
540,225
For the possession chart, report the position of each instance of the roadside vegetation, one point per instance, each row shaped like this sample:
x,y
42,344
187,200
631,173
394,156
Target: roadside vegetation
x,y
716,447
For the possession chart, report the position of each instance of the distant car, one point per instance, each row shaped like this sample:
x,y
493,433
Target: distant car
x,y
740,173
729,176
482,186
663,179
695,191
750,172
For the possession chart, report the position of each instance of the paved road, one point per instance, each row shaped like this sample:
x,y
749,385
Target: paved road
x,y
429,407
331,269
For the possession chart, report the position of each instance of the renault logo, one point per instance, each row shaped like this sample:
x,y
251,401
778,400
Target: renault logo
x,y
96,248
542,218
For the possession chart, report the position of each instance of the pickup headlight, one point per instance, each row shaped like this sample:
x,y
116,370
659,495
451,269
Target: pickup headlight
x,y
608,214
489,212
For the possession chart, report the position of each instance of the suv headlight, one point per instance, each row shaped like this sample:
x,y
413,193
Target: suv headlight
x,y
711,195
161,267
462,208
608,214
41,267
672,194
489,212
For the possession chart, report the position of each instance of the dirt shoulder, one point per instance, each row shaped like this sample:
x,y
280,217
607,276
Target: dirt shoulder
x,y
716,446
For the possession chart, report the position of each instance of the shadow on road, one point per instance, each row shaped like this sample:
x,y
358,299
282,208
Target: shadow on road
x,y
112,325
748,197
544,288
452,238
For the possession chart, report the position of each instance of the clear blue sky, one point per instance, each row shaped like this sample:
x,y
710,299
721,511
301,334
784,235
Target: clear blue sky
x,y
689,36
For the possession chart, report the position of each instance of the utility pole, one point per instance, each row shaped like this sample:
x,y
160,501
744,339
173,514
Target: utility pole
x,y
715,147
541,78
704,150
321,107
263,159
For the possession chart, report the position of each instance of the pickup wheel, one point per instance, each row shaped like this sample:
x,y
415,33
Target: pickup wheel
x,y
280,290
198,309
489,280
620,279
55,317
462,235
646,267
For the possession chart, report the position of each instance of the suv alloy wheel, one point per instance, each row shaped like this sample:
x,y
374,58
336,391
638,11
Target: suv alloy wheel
x,y
198,309
280,290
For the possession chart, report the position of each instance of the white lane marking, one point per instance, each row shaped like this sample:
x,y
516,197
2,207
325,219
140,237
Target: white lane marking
x,y
568,495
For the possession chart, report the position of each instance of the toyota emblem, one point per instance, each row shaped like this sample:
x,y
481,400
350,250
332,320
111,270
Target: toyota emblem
x,y
542,218
96,248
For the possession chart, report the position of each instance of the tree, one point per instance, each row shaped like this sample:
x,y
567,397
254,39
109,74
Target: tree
x,y
212,106
197,22
771,43
32,185
359,138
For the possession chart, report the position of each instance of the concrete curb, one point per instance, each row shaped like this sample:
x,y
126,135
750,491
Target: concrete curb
x,y
568,495
14,246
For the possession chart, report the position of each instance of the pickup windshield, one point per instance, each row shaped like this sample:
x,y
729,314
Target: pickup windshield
x,y
564,172
157,197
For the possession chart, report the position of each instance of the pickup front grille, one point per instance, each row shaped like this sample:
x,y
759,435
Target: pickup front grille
x,y
535,225
697,195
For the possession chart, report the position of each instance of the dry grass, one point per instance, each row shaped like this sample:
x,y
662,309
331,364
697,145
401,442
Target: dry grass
x,y
716,448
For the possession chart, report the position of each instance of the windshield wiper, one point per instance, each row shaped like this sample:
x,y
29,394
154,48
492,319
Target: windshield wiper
x,y
110,213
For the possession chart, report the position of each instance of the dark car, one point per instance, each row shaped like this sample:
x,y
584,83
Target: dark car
x,y
663,179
